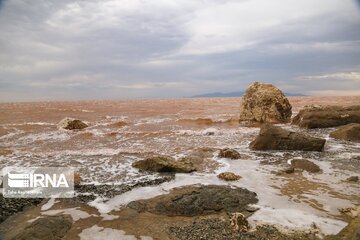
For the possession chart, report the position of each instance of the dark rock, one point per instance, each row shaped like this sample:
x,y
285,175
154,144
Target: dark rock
x,y
197,200
164,164
229,153
353,179
10,206
349,132
265,103
306,165
45,228
329,116
72,124
229,176
275,138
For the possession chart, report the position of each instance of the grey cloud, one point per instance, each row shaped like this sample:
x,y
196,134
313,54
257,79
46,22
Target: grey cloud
x,y
114,49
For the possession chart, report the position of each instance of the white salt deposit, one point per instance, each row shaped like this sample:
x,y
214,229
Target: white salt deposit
x,y
291,219
75,213
49,204
96,233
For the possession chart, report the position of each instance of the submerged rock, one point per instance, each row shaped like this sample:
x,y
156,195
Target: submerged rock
x,y
72,124
265,103
276,138
353,179
349,132
306,165
46,227
329,116
197,200
202,159
4,151
164,164
77,179
229,153
229,176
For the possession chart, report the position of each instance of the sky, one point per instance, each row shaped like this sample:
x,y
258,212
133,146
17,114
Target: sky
x,y
120,49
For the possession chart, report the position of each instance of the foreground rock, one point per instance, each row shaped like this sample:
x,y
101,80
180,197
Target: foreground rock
x,y
329,116
164,164
349,132
47,227
265,103
229,176
229,153
197,200
306,165
275,138
72,124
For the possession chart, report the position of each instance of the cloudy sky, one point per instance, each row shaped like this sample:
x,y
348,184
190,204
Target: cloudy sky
x,y
111,49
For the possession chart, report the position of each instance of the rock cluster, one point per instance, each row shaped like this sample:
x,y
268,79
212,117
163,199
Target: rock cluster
x,y
265,103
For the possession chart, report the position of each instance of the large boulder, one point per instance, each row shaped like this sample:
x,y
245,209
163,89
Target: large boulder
x,y
276,138
196,200
265,103
326,116
72,124
164,164
349,132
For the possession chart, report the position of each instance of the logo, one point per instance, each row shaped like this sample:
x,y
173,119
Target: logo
x,y
39,182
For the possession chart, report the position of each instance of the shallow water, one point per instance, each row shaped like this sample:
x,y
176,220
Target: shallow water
x,y
122,132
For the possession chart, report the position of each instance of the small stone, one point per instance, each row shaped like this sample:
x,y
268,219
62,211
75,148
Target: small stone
x,y
72,124
306,165
251,209
229,176
229,153
164,164
353,179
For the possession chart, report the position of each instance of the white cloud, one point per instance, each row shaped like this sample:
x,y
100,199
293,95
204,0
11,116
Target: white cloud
x,y
339,76
244,24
